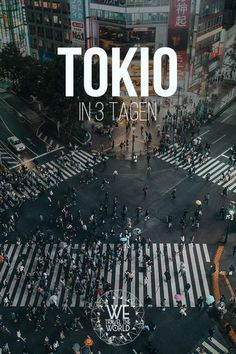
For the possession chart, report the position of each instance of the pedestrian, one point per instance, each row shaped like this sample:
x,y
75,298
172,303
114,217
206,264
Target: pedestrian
x,y
173,194
167,275
187,287
200,303
183,311
234,250
207,198
225,191
163,304
145,189
211,333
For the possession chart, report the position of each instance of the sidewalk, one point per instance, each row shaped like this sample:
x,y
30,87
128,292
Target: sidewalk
x,y
225,284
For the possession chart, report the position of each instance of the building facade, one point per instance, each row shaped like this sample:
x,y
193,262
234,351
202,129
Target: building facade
x,y
132,23
13,27
49,27
206,44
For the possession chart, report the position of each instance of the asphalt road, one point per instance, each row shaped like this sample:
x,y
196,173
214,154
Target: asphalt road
x,y
128,187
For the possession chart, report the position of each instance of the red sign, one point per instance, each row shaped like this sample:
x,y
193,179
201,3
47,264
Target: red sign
x,y
181,64
179,16
77,24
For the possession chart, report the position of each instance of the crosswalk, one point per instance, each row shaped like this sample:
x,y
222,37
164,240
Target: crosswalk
x,y
148,280
213,166
211,346
5,157
54,172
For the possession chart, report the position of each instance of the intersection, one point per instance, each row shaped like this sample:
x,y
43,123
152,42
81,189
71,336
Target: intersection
x,y
61,180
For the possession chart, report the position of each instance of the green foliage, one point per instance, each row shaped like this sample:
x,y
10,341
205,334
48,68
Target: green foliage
x,y
46,82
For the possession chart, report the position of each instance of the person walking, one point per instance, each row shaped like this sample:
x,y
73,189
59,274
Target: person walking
x,y
163,304
167,275
200,303
183,311
234,250
145,189
173,194
187,287
211,333
207,198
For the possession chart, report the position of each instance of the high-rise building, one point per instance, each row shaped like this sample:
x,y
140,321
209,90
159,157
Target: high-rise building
x,y
13,27
206,42
131,23
49,26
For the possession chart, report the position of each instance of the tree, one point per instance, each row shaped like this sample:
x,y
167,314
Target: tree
x,y
11,65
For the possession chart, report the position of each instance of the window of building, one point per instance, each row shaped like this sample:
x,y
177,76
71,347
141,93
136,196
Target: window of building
x,y
40,31
30,16
58,36
46,5
49,33
50,47
40,43
37,3
32,29
56,6
47,20
68,37
56,20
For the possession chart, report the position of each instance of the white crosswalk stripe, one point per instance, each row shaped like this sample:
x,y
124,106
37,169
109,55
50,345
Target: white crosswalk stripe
x,y
214,167
148,279
57,171
7,158
211,346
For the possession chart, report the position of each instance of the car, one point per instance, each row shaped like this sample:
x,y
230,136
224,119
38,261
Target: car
x,y
16,144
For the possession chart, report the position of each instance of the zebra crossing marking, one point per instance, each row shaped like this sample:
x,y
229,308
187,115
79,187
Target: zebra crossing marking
x,y
212,346
37,180
195,258
7,157
211,165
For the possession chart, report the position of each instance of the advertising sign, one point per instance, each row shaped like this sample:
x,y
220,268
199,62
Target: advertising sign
x,y
77,22
179,22
179,14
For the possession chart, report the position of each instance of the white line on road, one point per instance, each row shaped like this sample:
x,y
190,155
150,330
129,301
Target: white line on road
x,y
205,132
230,115
39,156
9,130
216,141
134,351
225,156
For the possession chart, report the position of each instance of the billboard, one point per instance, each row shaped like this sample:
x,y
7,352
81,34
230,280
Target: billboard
x,y
179,14
179,22
77,22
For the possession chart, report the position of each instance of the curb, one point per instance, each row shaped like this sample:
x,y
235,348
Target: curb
x,y
216,288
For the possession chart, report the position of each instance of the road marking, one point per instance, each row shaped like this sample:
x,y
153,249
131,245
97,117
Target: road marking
x,y
134,351
207,257
230,115
205,132
33,152
225,156
214,142
39,156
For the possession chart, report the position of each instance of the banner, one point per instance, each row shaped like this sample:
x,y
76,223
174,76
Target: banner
x,y
179,16
77,22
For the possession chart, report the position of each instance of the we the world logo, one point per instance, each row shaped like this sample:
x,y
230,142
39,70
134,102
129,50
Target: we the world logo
x,y
118,317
